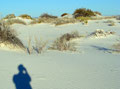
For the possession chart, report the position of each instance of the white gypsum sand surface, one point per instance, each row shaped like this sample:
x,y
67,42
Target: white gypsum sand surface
x,y
91,68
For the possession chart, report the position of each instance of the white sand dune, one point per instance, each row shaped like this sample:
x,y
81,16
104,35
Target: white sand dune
x,y
93,66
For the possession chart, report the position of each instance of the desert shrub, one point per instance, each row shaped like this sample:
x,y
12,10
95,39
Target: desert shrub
x,y
64,14
39,47
112,24
45,15
82,19
83,12
97,13
62,21
85,22
117,17
10,16
14,21
116,46
63,43
55,21
8,37
41,20
101,33
109,21
25,16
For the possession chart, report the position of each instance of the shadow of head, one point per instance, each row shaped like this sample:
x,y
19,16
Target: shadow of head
x,y
22,79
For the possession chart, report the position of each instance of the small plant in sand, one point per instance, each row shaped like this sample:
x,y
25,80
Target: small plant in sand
x,y
8,38
64,43
112,24
82,19
62,21
30,48
101,33
40,45
14,21
117,46
85,22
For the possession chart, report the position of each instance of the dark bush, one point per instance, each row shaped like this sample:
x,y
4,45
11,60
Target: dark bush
x,y
83,12
7,36
25,16
47,16
97,13
64,14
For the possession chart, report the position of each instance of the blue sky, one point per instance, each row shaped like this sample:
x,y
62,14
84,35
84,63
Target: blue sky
x,y
57,7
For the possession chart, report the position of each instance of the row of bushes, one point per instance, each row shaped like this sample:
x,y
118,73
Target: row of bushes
x,y
25,16
77,13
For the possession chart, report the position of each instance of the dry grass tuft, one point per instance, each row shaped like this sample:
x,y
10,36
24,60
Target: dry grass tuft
x,y
62,21
14,21
63,43
101,33
116,46
7,37
56,21
40,45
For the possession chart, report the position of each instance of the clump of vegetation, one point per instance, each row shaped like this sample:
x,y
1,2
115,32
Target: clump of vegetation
x,y
85,22
62,21
39,47
63,43
118,17
7,37
101,33
64,14
117,46
97,13
14,21
83,12
83,19
45,15
110,22
56,21
25,16
10,16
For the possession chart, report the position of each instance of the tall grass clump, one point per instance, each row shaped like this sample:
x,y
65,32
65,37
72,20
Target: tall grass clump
x,y
39,46
14,21
83,12
64,43
8,38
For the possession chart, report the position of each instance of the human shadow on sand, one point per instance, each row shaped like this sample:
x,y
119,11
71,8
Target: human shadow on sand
x,y
22,79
